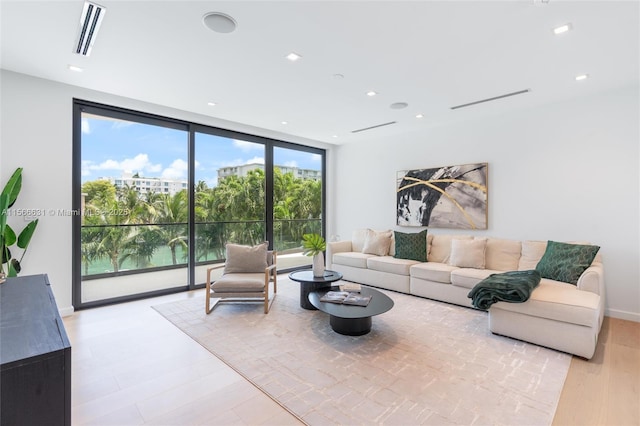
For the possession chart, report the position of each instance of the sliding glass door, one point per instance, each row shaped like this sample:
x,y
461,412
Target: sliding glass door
x,y
160,198
297,202
229,196
134,206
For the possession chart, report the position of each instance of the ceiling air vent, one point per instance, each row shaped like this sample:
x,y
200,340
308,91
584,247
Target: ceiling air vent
x,y
373,127
92,15
520,92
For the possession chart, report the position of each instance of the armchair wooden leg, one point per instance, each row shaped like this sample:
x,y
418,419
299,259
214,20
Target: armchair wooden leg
x,y
207,303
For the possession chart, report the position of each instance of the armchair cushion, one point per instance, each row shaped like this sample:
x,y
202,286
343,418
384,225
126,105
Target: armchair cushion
x,y
245,259
239,283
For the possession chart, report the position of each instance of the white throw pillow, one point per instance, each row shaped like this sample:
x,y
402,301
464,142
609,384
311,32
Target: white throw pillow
x,y
245,259
440,248
532,252
468,253
377,242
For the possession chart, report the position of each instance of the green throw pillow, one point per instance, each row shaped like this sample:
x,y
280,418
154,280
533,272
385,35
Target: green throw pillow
x,y
566,262
411,246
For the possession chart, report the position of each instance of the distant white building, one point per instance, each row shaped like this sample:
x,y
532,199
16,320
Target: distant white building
x,y
244,169
144,185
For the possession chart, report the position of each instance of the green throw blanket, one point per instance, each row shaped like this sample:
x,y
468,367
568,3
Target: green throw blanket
x,y
512,286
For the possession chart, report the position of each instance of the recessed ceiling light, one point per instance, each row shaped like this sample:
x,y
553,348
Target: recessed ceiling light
x,y
74,68
211,103
419,116
582,77
371,93
562,29
335,136
285,122
293,56
219,22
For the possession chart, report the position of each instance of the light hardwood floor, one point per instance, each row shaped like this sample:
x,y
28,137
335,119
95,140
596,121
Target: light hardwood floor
x,y
606,389
130,367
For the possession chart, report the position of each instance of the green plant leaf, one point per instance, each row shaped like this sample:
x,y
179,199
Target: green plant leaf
x,y
313,244
14,268
6,254
4,205
25,236
9,237
13,186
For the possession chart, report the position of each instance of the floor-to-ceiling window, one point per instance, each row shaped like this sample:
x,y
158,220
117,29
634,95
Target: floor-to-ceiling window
x,y
297,201
160,198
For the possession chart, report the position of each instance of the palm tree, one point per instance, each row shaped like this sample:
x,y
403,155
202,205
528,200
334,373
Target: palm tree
x,y
171,210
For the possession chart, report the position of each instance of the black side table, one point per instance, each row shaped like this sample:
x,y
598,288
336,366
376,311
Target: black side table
x,y
309,283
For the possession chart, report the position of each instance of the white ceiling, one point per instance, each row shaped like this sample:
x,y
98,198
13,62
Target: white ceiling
x,y
431,55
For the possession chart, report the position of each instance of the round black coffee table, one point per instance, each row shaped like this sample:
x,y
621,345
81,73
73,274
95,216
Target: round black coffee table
x,y
349,319
309,283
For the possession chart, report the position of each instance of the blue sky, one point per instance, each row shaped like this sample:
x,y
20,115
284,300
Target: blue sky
x,y
111,147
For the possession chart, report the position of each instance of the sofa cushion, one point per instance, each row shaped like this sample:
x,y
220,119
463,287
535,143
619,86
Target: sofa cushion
x,y
390,264
558,301
441,247
469,277
566,262
532,252
357,239
377,242
502,255
468,253
245,259
411,246
352,258
432,271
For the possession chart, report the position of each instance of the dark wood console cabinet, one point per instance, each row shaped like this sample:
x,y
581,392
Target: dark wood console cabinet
x,y
35,355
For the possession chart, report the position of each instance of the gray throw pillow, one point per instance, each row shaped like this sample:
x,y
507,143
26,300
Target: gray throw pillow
x,y
245,259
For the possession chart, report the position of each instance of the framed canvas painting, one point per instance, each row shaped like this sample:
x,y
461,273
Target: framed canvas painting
x,y
443,197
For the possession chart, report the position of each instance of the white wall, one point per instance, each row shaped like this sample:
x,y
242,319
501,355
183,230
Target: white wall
x,y
36,133
567,171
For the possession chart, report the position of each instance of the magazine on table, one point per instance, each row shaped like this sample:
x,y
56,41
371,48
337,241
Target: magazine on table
x,y
346,298
351,287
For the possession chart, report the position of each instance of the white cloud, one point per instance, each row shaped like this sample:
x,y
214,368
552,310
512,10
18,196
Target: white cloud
x,y
86,167
85,127
139,163
177,170
121,124
292,163
247,146
316,158
255,160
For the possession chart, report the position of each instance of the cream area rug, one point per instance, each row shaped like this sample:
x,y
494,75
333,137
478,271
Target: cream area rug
x,y
424,362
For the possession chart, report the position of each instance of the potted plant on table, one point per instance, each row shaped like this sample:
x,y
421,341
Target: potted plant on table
x,y
7,235
314,245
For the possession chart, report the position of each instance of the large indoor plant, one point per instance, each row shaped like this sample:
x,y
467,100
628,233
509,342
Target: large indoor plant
x,y
8,237
314,245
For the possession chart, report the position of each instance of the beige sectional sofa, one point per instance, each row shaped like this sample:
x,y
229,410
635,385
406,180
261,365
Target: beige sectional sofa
x,y
558,315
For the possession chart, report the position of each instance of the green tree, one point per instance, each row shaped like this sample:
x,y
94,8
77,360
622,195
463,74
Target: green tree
x,y
98,192
171,215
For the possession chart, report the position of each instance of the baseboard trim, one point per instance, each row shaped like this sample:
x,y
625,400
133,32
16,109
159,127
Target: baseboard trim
x,y
66,312
629,316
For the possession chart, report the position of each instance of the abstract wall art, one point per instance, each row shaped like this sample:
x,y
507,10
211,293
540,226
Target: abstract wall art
x,y
443,197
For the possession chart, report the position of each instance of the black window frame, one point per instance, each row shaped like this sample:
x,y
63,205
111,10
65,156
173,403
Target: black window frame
x,y
84,106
